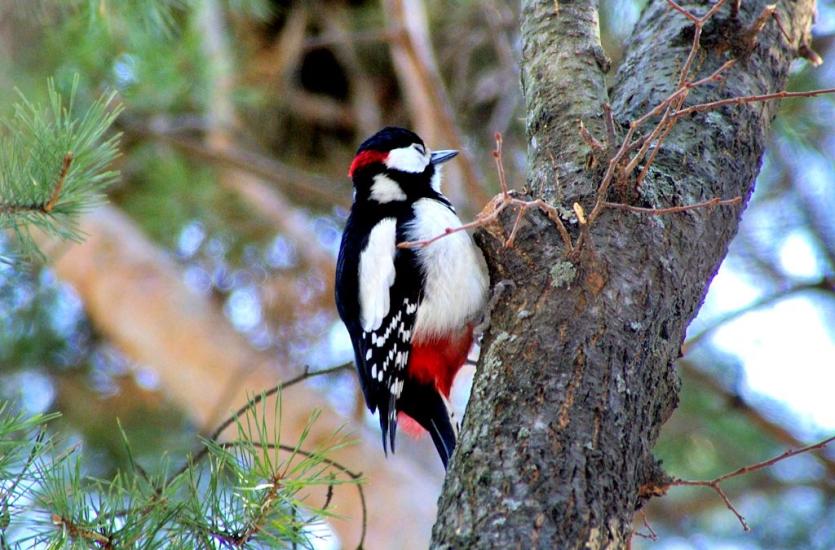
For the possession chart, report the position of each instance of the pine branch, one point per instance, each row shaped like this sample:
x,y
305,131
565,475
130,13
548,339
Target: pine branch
x,y
54,164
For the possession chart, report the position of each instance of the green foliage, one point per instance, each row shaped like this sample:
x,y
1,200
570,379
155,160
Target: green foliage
x,y
191,193
249,491
54,164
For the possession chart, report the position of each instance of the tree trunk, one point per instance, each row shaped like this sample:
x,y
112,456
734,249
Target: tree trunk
x,y
576,375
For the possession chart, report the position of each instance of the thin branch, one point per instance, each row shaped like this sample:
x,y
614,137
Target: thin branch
x,y
650,534
673,209
683,12
49,205
609,119
254,524
480,221
305,374
748,99
495,207
589,139
665,125
311,186
497,155
78,532
715,483
59,185
356,476
737,404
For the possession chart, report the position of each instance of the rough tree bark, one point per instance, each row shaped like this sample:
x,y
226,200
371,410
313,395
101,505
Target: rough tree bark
x,y
576,375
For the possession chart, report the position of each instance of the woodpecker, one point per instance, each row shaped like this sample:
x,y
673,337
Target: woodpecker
x,y
409,311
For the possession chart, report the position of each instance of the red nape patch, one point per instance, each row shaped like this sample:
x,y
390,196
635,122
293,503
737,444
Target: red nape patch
x,y
364,159
439,360
410,425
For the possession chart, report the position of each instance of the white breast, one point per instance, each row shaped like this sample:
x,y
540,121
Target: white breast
x,y
456,281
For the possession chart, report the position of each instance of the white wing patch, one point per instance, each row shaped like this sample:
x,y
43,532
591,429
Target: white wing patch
x,y
377,274
384,189
407,159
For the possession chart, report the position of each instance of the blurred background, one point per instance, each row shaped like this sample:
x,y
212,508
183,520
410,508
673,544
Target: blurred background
x,y
210,272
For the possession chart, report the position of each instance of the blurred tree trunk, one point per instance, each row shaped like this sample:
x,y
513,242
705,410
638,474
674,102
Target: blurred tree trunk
x,y
137,298
576,374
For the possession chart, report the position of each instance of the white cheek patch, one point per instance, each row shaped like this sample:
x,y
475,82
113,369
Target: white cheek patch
x,y
384,189
407,159
377,274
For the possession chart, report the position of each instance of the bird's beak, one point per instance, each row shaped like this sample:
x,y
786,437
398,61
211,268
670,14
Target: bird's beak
x,y
438,157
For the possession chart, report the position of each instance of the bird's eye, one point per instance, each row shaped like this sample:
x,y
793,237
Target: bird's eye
x,y
420,148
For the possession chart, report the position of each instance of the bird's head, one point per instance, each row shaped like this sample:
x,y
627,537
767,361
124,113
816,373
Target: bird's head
x,y
393,164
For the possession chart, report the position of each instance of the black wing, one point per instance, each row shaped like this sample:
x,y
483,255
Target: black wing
x,y
385,354
381,355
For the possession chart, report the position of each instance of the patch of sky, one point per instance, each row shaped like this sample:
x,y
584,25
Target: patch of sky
x,y
786,352
798,257
32,389
67,310
328,233
243,308
146,378
190,239
124,70
281,254
197,279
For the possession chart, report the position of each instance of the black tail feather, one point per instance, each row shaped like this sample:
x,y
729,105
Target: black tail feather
x,y
423,403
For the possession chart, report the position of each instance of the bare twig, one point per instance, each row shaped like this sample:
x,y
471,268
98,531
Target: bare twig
x,y
495,207
737,404
673,209
748,99
683,12
650,534
805,51
749,35
609,119
590,140
497,155
305,374
666,124
715,483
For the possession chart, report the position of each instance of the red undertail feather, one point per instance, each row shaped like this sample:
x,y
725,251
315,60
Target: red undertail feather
x,y
438,361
